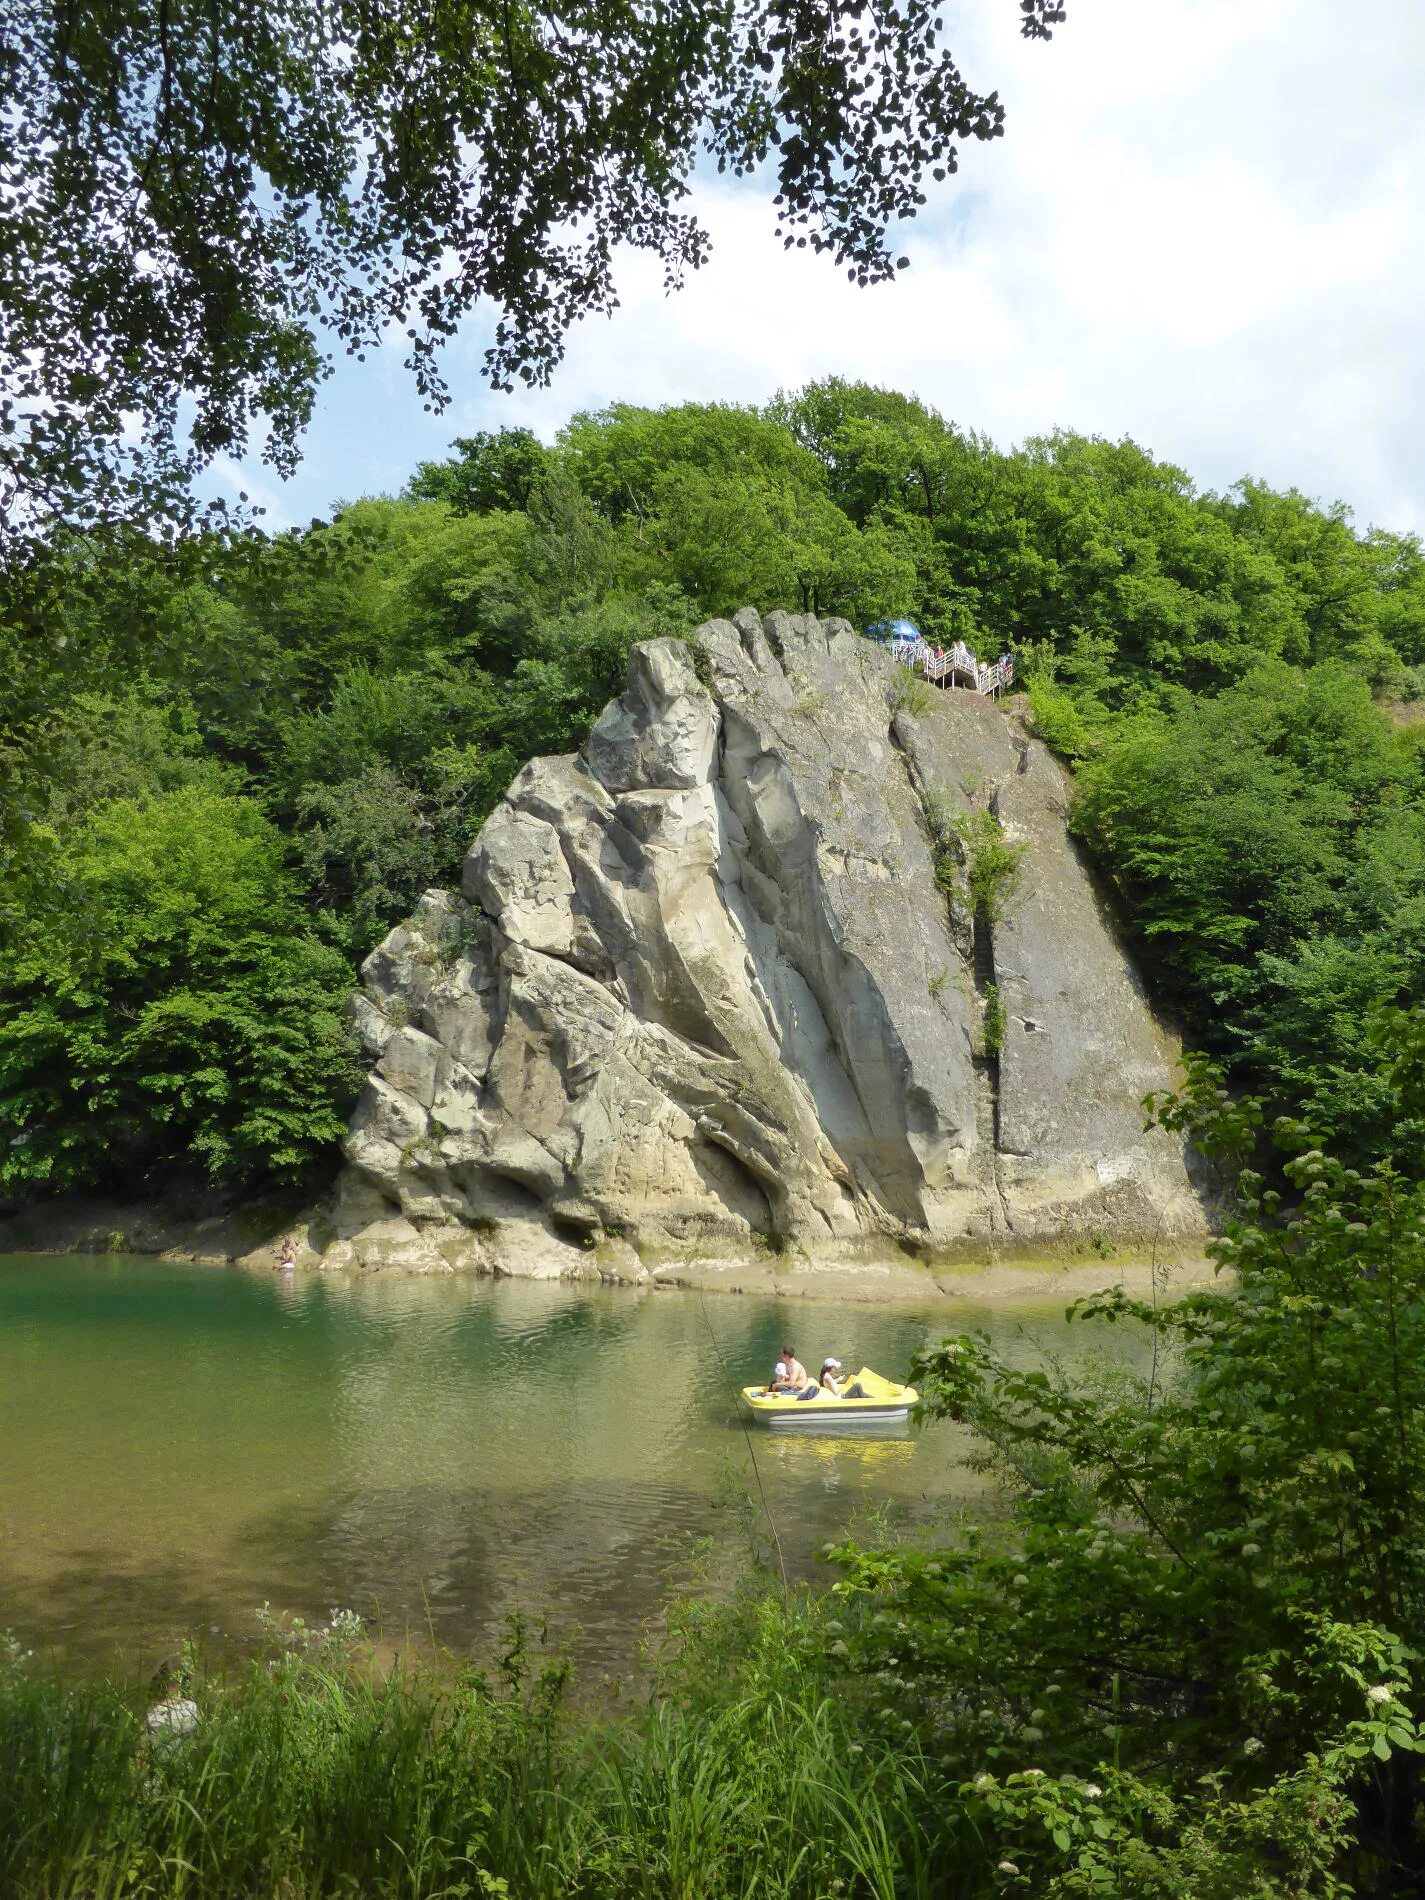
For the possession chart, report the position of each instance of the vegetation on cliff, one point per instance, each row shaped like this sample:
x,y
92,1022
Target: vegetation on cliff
x,y
335,710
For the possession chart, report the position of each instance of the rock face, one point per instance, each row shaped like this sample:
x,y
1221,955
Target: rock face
x,y
701,984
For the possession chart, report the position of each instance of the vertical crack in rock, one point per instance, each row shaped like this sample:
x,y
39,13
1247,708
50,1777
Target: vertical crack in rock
x,y
704,982
987,1057
973,927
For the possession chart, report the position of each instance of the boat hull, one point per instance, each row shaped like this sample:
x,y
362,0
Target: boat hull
x,y
885,1403
819,1418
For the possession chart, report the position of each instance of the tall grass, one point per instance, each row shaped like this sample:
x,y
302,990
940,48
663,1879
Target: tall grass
x,y
312,1774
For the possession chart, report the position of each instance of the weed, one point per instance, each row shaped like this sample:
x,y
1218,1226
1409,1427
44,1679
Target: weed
x,y
701,659
311,1772
970,845
421,1152
994,1020
993,865
910,694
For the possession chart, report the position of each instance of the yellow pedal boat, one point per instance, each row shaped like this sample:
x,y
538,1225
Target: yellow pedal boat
x,y
884,1400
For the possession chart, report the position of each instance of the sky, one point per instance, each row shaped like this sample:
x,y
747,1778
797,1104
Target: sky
x,y
1204,228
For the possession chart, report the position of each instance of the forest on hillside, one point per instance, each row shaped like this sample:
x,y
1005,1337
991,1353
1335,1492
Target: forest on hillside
x,y
231,761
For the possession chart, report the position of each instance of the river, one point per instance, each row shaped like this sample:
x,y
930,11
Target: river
x,y
183,1444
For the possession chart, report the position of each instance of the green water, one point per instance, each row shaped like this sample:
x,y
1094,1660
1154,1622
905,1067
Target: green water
x,y
179,1445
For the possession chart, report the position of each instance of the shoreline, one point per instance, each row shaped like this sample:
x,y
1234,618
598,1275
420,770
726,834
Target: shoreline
x,y
972,1270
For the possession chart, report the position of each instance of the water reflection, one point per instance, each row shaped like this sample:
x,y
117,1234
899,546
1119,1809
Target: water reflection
x,y
182,1444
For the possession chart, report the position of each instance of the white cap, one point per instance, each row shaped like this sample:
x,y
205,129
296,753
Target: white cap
x,y
781,1372
835,1364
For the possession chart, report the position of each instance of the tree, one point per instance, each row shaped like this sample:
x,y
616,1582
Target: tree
x,y
175,1012
496,469
194,196
1186,1660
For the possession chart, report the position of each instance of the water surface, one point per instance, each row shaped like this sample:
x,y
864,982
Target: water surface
x,y
179,1445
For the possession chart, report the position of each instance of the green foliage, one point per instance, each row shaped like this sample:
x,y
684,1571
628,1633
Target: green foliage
x,y
488,473
702,662
972,855
171,1010
309,1772
1059,720
993,866
1094,555
1209,664
995,1020
1270,844
722,502
295,177
1187,1659
911,694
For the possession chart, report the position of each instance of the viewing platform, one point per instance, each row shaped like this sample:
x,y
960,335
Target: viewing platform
x,y
952,666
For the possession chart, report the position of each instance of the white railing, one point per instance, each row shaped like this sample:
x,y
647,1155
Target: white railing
x,y
953,666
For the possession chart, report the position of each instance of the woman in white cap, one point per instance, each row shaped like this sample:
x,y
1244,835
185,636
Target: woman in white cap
x,y
830,1383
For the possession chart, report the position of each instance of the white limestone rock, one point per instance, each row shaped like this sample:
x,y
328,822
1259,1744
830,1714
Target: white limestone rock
x,y
702,986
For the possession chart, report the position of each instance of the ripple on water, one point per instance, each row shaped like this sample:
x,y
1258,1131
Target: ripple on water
x,y
182,1444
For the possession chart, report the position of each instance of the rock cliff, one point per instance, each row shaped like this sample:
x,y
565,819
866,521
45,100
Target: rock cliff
x,y
720,980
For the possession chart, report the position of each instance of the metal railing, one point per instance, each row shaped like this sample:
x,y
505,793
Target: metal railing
x,y
952,666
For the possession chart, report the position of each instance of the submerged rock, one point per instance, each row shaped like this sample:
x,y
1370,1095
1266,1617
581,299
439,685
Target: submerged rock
x,y
701,984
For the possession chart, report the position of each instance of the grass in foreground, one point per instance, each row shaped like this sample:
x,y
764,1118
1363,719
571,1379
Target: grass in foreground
x,y
309,1774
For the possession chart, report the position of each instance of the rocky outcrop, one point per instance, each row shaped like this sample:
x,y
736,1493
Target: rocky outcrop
x,y
701,986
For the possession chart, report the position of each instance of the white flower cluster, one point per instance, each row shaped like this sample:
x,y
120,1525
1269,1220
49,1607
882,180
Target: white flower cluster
x,y
12,1650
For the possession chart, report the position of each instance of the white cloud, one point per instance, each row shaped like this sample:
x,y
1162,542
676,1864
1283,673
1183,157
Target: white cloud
x,y
261,489
1203,228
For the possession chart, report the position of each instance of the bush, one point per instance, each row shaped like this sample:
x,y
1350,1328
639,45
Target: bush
x,y
910,694
1188,1660
173,1012
1058,721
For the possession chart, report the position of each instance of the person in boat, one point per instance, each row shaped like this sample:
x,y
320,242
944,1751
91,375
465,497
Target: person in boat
x,y
791,1379
287,1259
830,1383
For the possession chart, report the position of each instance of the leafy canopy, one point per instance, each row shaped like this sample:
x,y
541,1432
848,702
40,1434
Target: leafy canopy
x,y
194,197
1186,1659
173,1008
1231,675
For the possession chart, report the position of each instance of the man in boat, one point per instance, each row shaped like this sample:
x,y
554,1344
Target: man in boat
x,y
790,1380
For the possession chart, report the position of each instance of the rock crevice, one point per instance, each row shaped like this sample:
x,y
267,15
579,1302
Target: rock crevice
x,y
700,985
